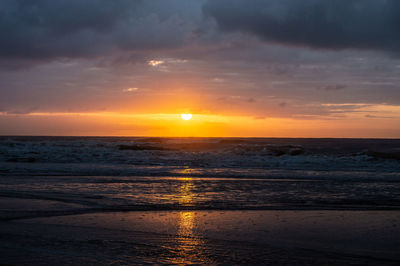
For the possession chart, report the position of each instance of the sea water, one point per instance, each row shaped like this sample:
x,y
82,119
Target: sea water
x,y
83,174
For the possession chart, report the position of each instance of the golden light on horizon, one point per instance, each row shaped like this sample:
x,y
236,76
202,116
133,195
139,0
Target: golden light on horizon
x,y
186,116
172,124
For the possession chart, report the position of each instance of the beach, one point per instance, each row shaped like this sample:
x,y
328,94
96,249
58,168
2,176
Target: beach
x,y
206,237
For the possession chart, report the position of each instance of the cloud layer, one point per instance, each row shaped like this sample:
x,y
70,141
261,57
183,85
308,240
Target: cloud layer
x,y
325,24
45,29
231,57
48,29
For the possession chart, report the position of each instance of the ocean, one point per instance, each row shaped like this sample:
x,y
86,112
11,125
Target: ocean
x,y
241,182
218,173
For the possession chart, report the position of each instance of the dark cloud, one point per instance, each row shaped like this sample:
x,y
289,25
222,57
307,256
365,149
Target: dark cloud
x,y
87,53
47,29
41,29
326,24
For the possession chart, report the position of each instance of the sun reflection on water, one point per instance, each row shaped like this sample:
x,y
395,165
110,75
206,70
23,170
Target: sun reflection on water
x,y
185,192
186,223
190,247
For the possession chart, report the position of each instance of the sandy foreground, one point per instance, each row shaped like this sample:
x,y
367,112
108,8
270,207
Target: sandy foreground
x,y
301,237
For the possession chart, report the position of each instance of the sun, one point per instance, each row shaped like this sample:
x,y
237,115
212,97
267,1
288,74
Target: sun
x,y
186,116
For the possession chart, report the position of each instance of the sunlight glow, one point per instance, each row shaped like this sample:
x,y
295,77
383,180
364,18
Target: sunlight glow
x,y
155,62
357,124
186,116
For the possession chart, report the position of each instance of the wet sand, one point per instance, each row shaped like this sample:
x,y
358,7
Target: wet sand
x,y
86,220
205,237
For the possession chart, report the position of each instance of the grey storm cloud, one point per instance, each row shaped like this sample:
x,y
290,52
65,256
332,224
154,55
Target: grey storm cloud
x,y
48,29
42,29
321,24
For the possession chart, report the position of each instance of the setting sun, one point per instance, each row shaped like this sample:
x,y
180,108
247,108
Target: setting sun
x,y
186,116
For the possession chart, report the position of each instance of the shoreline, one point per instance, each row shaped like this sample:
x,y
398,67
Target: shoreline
x,y
309,237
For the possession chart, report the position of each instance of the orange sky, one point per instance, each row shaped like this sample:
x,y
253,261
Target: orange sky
x,y
130,68
201,125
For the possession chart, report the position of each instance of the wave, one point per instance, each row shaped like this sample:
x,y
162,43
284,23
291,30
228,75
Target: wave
x,y
195,156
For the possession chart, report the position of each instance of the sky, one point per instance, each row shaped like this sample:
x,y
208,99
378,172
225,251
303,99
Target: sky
x,y
243,68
